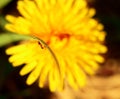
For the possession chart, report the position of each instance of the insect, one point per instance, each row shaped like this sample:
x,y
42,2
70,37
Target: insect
x,y
41,45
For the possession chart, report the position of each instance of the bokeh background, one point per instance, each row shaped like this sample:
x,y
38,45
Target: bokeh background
x,y
12,85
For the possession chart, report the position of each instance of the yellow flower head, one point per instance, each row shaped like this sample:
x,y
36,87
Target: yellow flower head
x,y
68,45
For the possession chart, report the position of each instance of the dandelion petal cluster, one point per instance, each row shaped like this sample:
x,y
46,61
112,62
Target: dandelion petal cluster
x,y
73,42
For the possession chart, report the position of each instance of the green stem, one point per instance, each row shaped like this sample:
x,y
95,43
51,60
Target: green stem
x,y
56,60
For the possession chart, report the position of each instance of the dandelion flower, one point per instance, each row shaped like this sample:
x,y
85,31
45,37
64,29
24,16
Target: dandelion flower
x,y
68,45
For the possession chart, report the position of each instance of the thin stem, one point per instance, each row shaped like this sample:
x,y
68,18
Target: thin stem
x,y
55,58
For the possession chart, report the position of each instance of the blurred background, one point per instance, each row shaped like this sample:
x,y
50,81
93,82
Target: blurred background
x,y
104,85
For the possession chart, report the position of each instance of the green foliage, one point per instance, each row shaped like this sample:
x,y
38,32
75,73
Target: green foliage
x,y
4,3
2,22
7,38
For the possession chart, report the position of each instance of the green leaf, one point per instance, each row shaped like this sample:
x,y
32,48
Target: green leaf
x,y
3,21
7,38
4,3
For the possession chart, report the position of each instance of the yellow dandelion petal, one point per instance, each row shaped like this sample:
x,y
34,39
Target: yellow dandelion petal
x,y
89,67
71,80
54,80
34,75
44,75
11,18
22,10
15,49
76,71
28,68
68,42
58,79
19,55
52,83
91,12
